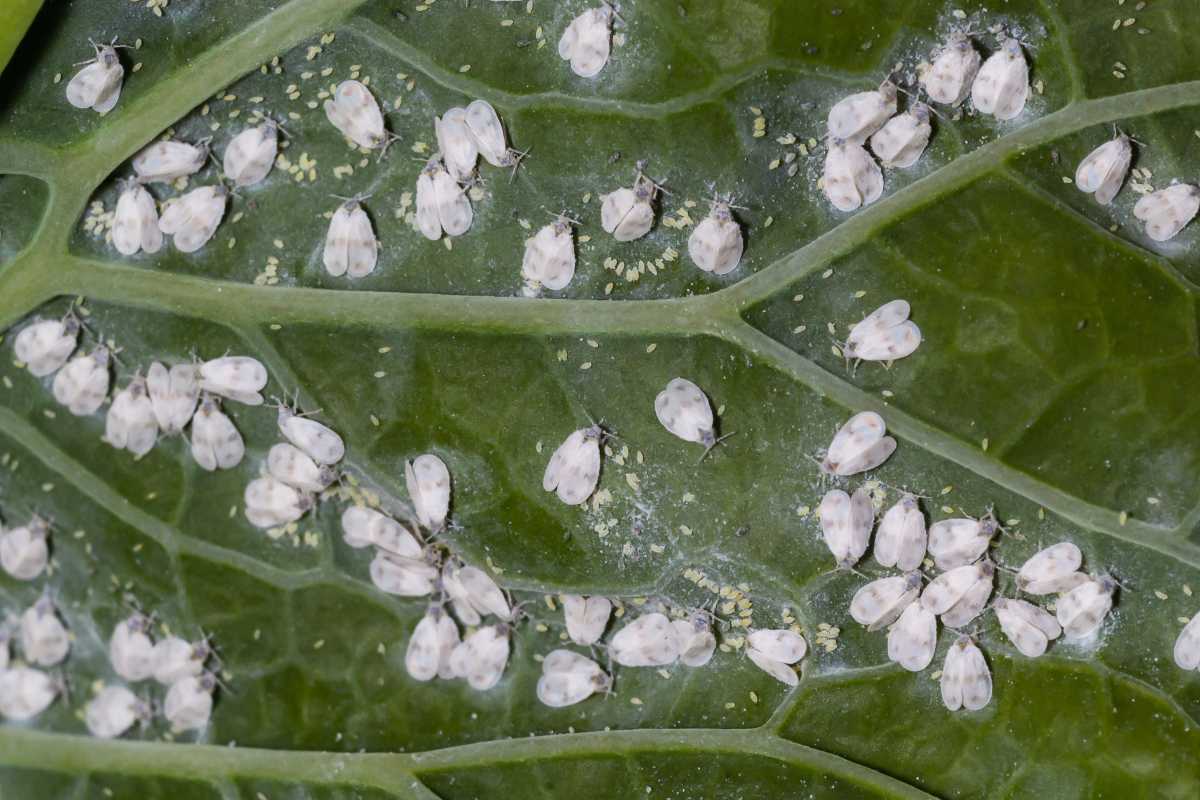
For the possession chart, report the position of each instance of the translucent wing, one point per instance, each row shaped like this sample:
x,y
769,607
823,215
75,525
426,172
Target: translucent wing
x,y
684,410
881,601
319,441
776,669
485,126
586,618
615,206
648,641
971,605
428,220
429,488
913,638
781,645
453,206
948,588
336,256
483,593
455,143
1187,646
1049,566
239,378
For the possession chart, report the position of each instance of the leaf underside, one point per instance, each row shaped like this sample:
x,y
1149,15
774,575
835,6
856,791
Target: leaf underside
x,y
1056,382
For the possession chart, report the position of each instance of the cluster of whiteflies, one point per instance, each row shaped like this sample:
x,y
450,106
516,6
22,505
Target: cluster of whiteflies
x,y
165,399
1165,212
960,593
296,470
173,662
998,86
26,687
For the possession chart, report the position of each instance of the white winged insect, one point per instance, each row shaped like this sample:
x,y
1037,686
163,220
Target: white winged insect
x,y
82,384
950,588
192,218
488,131
442,205
586,617
903,138
135,221
428,482
430,646
886,334
1168,210
974,600
131,424
354,111
167,160
26,692
550,255
98,85
1001,86
481,656
321,442
1082,610
846,522
697,643
966,680
188,704
882,601
1187,645
24,550
912,639
648,641
44,345
960,541
948,79
900,539
173,395
574,468
775,651
456,143
569,678
483,593
1029,627
239,378
131,650
366,527
716,243
587,41
271,502
44,639
851,178
250,155
401,576
1051,570
628,212
853,119
684,410
291,465
113,711
350,244
460,600
216,443
1103,170
176,658
858,446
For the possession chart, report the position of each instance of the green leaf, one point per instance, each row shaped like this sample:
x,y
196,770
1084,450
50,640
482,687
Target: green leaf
x,y
1056,382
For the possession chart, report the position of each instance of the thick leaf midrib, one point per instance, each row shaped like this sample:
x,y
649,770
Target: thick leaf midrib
x,y
395,772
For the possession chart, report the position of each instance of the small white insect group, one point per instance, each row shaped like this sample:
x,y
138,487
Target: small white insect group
x,y
164,400
464,134
26,688
297,470
181,666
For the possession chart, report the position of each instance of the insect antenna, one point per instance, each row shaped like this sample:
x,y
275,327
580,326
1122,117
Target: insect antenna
x,y
708,448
